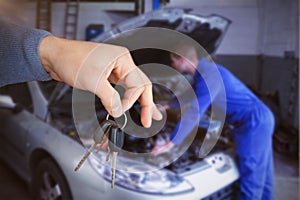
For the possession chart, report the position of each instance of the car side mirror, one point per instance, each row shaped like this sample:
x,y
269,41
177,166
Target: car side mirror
x,y
6,102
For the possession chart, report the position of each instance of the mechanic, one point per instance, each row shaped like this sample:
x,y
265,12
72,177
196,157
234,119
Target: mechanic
x,y
252,119
30,54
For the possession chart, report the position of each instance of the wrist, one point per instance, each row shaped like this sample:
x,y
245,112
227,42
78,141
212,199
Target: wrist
x,y
47,52
62,58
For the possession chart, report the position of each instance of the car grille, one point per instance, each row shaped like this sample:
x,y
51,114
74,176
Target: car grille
x,y
229,192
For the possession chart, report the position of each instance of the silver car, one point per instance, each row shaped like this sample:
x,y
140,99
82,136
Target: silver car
x,y
40,141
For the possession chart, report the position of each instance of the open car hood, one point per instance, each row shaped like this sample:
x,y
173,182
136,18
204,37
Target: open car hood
x,y
207,31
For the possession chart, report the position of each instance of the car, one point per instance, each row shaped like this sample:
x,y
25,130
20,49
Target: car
x,y
42,143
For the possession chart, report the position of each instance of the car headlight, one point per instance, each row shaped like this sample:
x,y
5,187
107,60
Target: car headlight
x,y
145,180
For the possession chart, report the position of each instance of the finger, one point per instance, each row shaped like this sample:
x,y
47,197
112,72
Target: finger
x,y
110,99
148,113
156,113
146,118
149,110
131,96
139,87
134,83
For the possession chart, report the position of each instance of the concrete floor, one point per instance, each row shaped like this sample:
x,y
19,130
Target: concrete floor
x,y
286,181
286,177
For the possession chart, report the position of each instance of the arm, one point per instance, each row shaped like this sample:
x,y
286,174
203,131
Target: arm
x,y
19,54
93,67
205,97
85,65
191,117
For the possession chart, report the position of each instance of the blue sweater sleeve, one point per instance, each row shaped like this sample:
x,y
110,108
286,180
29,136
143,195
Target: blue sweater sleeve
x,y
19,56
198,106
191,117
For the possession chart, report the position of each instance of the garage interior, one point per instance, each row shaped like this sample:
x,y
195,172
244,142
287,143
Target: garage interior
x,y
260,47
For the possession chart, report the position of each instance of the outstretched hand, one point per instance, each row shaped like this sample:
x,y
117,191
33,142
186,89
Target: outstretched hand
x,y
93,66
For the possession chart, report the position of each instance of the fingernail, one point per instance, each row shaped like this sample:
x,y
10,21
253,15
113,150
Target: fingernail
x,y
148,124
116,111
160,115
149,121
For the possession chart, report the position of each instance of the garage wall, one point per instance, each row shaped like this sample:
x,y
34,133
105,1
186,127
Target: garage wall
x,y
279,27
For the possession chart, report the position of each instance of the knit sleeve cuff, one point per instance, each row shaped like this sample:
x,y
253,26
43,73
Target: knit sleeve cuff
x,y
32,40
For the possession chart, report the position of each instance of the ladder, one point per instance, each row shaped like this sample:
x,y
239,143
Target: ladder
x,y
71,17
43,15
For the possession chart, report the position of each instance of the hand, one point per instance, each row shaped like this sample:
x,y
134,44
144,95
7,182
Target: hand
x,y
93,66
163,148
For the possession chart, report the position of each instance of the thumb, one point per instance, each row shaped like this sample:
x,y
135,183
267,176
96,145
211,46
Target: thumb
x,y
110,99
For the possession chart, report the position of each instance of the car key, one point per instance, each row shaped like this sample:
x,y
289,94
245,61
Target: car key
x,y
99,138
116,138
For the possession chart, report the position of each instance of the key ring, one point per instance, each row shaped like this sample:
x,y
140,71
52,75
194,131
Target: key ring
x,y
125,120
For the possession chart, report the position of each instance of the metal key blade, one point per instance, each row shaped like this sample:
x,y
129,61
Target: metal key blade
x,y
113,169
99,138
117,140
107,154
85,157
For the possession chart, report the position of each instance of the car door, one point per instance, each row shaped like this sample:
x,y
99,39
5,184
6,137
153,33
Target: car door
x,y
15,124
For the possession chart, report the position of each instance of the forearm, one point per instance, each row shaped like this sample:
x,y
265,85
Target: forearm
x,y
189,120
67,60
28,54
19,52
63,58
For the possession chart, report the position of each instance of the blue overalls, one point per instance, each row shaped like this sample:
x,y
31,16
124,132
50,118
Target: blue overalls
x,y
254,126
